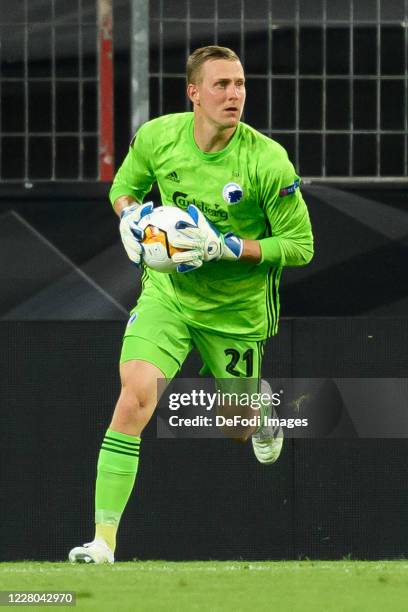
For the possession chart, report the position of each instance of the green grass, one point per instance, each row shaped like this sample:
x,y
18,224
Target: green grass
x,y
159,586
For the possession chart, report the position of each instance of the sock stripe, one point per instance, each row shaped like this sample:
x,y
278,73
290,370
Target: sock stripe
x,y
133,449
120,452
130,445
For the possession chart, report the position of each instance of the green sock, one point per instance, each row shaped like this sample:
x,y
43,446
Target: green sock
x,y
117,467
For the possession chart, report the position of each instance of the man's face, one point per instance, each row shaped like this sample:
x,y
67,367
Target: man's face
x,y
220,92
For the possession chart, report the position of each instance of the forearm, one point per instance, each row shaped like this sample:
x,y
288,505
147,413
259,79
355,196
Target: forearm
x,y
284,251
271,251
251,251
122,202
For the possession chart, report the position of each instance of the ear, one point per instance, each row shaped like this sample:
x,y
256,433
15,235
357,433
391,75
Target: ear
x,y
193,93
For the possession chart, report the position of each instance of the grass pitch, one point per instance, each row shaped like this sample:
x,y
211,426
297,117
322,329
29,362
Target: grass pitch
x,y
159,586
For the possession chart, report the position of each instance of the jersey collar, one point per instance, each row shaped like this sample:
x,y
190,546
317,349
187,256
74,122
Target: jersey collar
x,y
217,154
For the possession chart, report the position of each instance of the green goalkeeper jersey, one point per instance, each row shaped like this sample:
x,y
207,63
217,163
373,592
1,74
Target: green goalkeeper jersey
x,y
249,188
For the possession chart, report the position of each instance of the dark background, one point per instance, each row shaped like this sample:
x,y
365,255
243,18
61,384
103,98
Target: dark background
x,y
195,499
66,287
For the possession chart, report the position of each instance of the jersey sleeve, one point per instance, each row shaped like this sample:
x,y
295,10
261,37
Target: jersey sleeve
x,y
136,175
291,240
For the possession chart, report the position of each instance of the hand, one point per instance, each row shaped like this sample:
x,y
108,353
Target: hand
x,y
130,233
132,236
215,245
186,236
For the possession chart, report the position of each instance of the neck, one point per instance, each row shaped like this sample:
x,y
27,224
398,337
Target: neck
x,y
209,137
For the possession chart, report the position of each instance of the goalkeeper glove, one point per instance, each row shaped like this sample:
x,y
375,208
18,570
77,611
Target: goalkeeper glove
x,y
215,245
132,237
130,233
188,237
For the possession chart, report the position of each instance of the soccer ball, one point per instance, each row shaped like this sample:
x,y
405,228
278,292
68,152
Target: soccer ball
x,y
159,229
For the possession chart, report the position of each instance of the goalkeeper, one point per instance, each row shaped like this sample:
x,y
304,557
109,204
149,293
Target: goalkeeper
x,y
224,298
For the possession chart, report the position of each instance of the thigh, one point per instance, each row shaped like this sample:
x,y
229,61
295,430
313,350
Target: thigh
x,y
157,334
235,363
227,357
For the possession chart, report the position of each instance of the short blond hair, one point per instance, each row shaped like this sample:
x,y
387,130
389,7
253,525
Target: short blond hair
x,y
204,54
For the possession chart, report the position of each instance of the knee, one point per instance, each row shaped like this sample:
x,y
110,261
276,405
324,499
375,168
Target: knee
x,y
138,397
131,413
134,399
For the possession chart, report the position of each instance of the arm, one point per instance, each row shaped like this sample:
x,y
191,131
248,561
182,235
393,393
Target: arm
x,y
131,183
290,245
291,240
251,251
123,202
136,175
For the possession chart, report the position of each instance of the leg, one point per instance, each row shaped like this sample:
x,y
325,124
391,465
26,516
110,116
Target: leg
x,y
138,397
155,345
235,363
119,455
230,407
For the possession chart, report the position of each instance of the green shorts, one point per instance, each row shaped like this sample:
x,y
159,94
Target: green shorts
x,y
158,333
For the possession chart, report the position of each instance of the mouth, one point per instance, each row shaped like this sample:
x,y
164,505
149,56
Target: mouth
x,y
231,109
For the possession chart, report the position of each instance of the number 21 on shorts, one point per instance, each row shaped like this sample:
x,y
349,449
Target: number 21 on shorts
x,y
236,360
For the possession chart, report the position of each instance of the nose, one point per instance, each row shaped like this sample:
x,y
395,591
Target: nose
x,y
233,91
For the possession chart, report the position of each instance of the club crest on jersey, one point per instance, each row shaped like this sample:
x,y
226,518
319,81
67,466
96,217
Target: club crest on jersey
x,y
232,193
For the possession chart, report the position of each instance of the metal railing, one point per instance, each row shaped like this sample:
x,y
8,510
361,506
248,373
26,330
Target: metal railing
x,y
55,91
326,78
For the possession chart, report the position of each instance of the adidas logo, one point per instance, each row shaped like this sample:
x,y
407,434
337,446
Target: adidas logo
x,y
173,176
